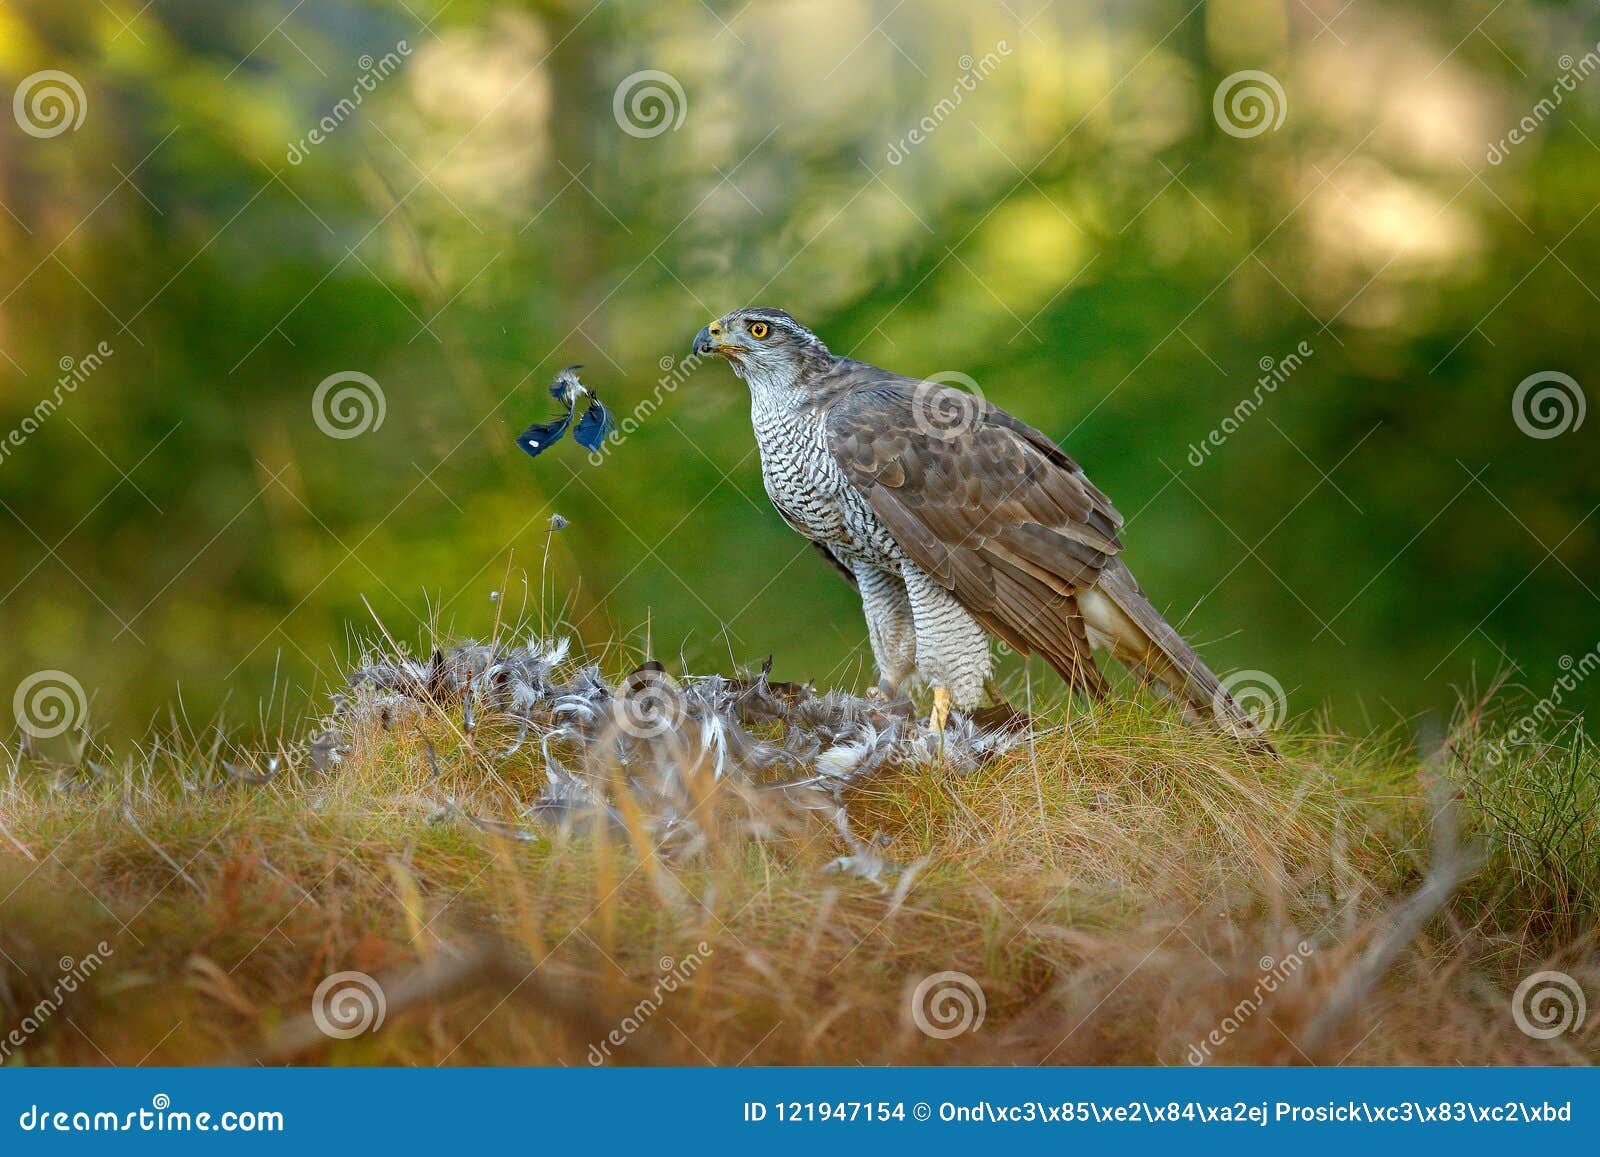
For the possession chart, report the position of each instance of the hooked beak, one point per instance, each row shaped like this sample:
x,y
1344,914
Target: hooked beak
x,y
713,339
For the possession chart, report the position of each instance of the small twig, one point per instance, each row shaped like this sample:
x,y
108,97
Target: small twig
x,y
493,827
458,969
246,776
127,814
1449,865
6,832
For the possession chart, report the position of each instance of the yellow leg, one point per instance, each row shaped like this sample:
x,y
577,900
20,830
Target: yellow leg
x,y
941,709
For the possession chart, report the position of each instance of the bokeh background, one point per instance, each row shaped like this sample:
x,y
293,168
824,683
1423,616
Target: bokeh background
x,y
1083,230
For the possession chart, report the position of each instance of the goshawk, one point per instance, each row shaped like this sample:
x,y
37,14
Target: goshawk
x,y
954,520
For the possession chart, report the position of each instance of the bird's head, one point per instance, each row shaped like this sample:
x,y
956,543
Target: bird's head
x,y
762,344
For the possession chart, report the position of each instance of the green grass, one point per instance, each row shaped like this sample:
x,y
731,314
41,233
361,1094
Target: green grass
x,y
1114,891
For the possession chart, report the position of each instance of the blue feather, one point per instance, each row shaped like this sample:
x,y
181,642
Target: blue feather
x,y
540,436
593,427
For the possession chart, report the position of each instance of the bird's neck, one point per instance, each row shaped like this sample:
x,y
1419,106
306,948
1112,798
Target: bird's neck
x,y
775,394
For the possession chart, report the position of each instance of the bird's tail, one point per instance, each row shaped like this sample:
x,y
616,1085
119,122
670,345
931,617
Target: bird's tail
x,y
1119,616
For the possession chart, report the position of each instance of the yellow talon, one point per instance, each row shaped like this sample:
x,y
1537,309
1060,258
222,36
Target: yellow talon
x,y
941,709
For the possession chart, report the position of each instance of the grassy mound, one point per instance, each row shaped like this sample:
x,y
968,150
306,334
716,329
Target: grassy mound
x,y
1121,889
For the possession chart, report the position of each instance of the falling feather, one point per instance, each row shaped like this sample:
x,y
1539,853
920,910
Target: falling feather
x,y
540,436
591,428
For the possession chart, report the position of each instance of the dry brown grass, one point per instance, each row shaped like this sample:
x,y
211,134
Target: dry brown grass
x,y
1114,891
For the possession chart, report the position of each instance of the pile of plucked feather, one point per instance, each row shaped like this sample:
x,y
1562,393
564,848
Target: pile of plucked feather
x,y
655,734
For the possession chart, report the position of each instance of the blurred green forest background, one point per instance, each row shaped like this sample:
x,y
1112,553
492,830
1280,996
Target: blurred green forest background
x,y
1083,230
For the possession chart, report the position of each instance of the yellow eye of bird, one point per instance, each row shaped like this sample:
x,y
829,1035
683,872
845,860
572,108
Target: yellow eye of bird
x,y
759,329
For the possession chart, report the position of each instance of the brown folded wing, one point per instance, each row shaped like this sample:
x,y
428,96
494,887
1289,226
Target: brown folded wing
x,y
988,506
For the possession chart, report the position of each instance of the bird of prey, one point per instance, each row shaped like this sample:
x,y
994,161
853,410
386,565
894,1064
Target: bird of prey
x,y
955,521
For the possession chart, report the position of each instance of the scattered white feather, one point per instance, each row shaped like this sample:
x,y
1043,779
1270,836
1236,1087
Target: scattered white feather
x,y
828,743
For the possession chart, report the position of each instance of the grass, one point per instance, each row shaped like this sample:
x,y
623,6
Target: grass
x,y
1126,889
